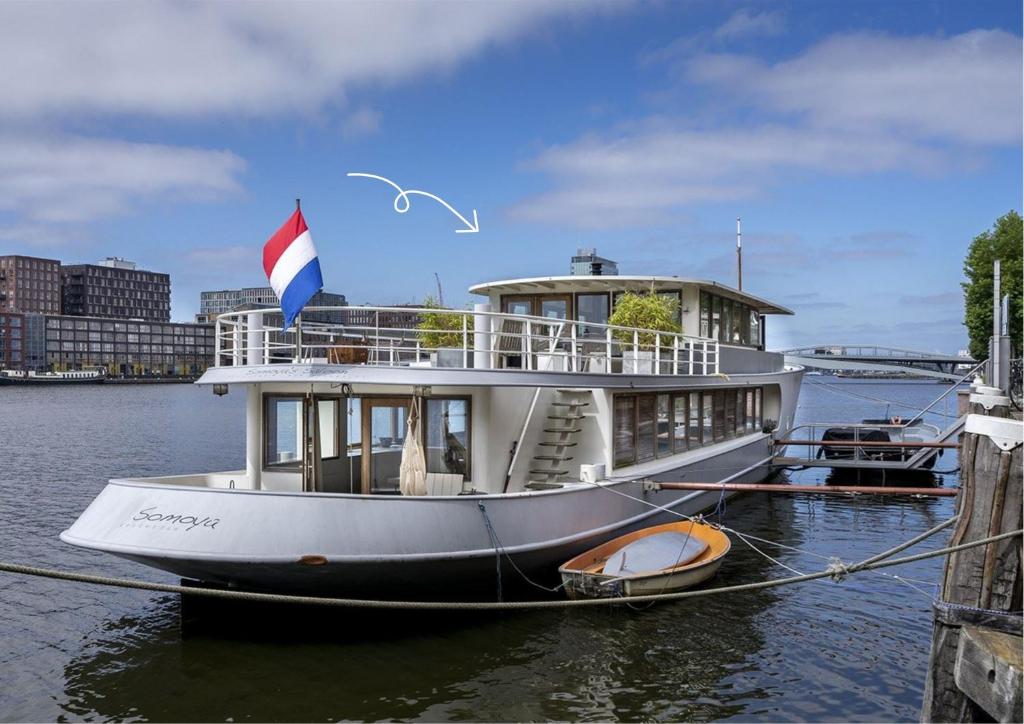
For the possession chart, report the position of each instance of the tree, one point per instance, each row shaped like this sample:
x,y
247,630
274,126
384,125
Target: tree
x,y
442,328
1003,242
644,311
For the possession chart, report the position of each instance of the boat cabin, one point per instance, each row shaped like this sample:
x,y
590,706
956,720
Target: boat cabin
x,y
530,390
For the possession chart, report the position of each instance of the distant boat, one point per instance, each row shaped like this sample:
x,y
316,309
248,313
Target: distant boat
x,y
30,377
660,559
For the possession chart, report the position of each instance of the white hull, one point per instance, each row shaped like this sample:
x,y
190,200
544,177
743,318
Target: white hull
x,y
255,539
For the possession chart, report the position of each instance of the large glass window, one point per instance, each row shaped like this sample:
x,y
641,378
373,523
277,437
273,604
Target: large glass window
x,y
705,314
755,328
592,308
749,413
716,318
645,428
664,426
554,308
327,411
679,420
730,412
446,435
693,427
625,429
719,411
726,320
707,415
284,430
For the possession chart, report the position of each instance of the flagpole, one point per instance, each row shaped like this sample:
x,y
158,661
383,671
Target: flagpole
x,y
298,317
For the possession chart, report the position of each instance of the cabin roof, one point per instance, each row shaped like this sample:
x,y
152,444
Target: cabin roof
x,y
616,283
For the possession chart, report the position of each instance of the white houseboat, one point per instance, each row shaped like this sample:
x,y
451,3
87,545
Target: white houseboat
x,y
535,427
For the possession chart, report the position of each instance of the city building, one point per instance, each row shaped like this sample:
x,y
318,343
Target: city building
x,y
115,288
232,300
124,347
12,341
587,263
29,284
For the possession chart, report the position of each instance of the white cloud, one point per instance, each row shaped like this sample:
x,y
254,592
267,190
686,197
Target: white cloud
x,y
853,104
74,65
175,59
69,179
364,121
748,24
641,175
965,88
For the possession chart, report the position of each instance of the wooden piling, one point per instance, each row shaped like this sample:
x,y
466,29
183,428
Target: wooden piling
x,y
981,589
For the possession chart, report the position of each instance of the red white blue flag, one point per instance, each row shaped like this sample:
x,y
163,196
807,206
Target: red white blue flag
x,y
292,266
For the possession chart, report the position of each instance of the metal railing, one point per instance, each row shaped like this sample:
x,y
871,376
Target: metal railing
x,y
862,445
420,337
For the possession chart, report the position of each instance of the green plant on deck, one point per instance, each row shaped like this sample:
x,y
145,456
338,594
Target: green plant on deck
x,y
649,311
438,329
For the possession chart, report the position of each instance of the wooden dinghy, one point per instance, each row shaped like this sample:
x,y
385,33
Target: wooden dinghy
x,y
661,559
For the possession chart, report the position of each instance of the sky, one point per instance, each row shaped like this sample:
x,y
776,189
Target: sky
x,y
864,144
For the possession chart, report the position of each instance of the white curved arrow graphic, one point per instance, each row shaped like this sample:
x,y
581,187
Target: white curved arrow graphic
x,y
401,203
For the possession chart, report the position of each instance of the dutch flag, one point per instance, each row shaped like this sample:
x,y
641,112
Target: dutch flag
x,y
292,266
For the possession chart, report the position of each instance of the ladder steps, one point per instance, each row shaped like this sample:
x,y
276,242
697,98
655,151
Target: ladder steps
x,y
568,429
547,443
570,404
565,417
555,458
549,472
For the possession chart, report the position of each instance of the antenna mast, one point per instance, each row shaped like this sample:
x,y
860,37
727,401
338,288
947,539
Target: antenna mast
x,y
440,292
739,254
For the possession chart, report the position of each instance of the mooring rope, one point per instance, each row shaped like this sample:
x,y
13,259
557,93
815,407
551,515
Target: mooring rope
x,y
481,605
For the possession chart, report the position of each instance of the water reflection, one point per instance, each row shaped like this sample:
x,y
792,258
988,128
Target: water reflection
x,y
225,660
855,650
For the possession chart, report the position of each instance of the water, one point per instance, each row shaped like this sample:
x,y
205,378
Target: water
x,y
851,651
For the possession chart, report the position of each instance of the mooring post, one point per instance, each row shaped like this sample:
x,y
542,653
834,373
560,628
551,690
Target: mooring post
x,y
974,669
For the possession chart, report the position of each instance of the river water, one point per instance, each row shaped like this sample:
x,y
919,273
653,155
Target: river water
x,y
855,650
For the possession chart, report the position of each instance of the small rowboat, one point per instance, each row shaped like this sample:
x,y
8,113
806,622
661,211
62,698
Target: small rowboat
x,y
661,559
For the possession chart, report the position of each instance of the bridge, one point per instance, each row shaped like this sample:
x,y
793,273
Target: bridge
x,y
876,358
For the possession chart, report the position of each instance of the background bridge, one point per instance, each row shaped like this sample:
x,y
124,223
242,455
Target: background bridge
x,y
876,358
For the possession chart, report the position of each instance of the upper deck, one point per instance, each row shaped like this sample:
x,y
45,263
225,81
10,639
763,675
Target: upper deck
x,y
555,325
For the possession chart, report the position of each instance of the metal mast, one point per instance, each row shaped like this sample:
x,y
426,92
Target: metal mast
x,y
739,254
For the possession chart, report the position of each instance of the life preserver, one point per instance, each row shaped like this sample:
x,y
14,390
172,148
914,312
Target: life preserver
x,y
896,420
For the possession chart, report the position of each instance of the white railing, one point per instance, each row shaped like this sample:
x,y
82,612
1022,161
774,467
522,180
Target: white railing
x,y
421,337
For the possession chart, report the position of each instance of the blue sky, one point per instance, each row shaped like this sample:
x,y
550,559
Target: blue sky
x,y
863,143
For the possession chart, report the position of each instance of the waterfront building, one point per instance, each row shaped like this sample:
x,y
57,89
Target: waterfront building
x,y
221,301
11,340
131,348
29,284
115,288
587,263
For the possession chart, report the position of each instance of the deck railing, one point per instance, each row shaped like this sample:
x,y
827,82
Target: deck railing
x,y
861,445
399,337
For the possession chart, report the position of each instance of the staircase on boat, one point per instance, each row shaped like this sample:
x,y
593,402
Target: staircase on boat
x,y
553,455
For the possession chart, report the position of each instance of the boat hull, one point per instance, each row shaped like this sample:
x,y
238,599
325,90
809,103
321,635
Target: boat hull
x,y
366,544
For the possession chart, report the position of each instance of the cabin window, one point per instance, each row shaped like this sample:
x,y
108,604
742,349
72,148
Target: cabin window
x,y
679,419
664,423
693,428
705,314
739,320
625,429
284,431
719,415
716,318
659,425
327,413
447,435
554,307
758,421
645,428
726,320
707,415
730,413
755,328
592,309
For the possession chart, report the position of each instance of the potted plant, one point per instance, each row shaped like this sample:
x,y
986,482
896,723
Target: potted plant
x,y
441,331
651,313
